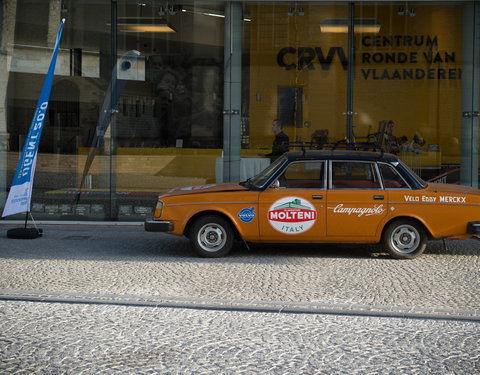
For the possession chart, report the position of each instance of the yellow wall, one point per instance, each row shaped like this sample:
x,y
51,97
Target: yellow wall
x,y
430,107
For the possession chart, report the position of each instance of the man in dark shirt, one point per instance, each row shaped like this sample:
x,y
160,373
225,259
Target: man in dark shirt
x,y
280,143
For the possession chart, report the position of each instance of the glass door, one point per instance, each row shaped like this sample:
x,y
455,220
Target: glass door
x,y
64,187
418,71
168,121
294,70
469,140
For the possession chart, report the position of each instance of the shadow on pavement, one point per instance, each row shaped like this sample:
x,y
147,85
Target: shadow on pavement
x,y
134,244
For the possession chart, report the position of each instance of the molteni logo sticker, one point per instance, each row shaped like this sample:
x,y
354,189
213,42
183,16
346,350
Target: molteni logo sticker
x,y
292,215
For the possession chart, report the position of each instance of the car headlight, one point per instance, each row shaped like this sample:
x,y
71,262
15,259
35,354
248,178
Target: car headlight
x,y
158,209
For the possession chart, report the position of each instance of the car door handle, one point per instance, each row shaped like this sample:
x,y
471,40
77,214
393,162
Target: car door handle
x,y
317,196
378,197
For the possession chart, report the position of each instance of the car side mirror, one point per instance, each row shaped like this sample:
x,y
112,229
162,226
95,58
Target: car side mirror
x,y
275,185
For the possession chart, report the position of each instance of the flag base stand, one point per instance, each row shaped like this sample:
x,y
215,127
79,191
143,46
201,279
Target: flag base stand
x,y
25,233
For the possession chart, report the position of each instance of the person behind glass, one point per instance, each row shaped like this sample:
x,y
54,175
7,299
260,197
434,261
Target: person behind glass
x,y
163,107
280,143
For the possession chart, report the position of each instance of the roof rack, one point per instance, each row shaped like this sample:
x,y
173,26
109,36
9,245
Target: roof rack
x,y
373,141
341,145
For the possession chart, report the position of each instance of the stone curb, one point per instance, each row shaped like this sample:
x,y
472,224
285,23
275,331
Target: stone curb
x,y
243,305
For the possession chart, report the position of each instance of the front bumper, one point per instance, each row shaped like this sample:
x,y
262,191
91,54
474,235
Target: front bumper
x,y
473,227
158,225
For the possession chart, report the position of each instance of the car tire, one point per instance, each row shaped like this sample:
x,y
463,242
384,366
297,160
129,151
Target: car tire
x,y
211,236
404,239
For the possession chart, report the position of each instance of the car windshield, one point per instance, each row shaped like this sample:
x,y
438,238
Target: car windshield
x,y
260,179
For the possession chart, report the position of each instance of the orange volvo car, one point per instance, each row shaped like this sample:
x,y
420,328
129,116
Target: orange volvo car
x,y
322,197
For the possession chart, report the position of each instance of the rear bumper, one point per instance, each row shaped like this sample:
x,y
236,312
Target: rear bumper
x,y
158,226
473,227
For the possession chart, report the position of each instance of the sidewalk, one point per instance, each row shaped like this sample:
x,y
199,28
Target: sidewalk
x,y
120,263
88,299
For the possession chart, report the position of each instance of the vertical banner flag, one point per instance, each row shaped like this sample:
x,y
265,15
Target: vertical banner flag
x,y
20,193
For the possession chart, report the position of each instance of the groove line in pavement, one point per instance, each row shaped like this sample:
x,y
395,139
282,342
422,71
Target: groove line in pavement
x,y
283,307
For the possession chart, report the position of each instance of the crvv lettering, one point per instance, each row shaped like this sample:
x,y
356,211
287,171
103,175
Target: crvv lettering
x,y
305,57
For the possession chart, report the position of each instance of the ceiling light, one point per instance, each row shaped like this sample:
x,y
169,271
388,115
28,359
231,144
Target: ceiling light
x,y
206,12
144,25
340,25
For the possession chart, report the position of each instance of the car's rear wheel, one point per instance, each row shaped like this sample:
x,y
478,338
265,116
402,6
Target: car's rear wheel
x,y
211,236
404,239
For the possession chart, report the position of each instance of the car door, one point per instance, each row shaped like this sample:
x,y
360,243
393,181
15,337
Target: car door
x,y
293,209
356,201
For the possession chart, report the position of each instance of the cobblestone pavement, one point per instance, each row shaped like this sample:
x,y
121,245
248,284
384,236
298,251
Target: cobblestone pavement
x,y
86,339
118,299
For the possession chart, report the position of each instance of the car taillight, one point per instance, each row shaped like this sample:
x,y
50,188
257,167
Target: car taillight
x,y
158,209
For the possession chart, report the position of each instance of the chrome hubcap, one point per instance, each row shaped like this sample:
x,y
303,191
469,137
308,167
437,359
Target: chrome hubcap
x,y
405,239
212,237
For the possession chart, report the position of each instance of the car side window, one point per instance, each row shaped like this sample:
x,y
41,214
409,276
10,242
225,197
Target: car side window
x,y
304,175
354,175
391,178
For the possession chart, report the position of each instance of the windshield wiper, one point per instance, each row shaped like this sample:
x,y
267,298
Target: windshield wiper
x,y
247,183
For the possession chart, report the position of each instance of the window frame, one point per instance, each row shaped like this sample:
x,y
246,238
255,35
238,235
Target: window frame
x,y
408,187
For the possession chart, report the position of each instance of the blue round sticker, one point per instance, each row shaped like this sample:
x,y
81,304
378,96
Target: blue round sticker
x,y
247,214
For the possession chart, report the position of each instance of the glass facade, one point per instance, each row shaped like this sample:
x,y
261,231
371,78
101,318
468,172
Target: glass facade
x,y
153,95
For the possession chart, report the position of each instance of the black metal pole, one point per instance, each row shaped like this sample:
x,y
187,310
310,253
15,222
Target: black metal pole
x,y
113,97
350,71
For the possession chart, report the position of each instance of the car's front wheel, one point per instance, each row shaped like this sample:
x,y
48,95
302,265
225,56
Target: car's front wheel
x,y
404,239
211,236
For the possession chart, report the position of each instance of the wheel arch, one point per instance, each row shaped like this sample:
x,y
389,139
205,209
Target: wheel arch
x,y
195,217
406,217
